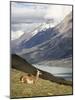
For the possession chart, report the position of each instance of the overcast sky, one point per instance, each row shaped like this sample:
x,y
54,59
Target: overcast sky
x,y
27,16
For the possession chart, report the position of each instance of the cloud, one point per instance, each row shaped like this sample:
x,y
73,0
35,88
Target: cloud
x,y
26,27
31,12
27,13
20,29
58,12
15,35
27,16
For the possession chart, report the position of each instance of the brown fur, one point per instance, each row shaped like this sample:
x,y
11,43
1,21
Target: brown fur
x,y
29,78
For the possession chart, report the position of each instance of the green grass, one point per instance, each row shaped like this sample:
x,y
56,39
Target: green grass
x,y
41,88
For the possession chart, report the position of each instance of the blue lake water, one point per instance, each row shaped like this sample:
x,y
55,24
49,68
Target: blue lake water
x,y
65,72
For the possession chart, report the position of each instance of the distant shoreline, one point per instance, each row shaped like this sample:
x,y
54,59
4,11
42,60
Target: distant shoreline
x,y
63,72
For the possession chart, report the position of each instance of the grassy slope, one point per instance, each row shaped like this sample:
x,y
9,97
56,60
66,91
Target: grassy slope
x,y
41,88
22,65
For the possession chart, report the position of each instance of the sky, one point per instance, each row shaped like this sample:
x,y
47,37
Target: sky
x,y
25,17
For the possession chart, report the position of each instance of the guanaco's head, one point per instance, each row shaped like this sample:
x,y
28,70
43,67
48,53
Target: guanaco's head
x,y
39,72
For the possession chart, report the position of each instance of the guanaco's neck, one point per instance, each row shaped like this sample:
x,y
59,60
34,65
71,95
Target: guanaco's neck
x,y
37,74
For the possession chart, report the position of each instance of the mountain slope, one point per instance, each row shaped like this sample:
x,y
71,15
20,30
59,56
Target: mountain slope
x,y
55,43
25,40
22,65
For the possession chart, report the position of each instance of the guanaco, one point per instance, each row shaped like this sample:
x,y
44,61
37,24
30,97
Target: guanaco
x,y
29,78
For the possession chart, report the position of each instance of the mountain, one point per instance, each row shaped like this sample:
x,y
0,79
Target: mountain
x,y
26,39
53,43
21,64
39,38
48,43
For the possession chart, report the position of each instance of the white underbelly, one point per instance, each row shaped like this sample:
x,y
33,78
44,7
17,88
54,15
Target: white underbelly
x,y
29,81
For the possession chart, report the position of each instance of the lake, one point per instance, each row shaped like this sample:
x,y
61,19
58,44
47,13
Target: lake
x,y
65,72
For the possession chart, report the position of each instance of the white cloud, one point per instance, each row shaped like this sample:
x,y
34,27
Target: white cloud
x,y
15,35
27,16
21,14
20,29
58,12
37,12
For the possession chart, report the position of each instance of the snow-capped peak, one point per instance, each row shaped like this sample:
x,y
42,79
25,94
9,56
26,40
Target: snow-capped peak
x,y
41,27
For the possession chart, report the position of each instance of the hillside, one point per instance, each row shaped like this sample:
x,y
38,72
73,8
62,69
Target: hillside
x,y
46,85
22,65
41,88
